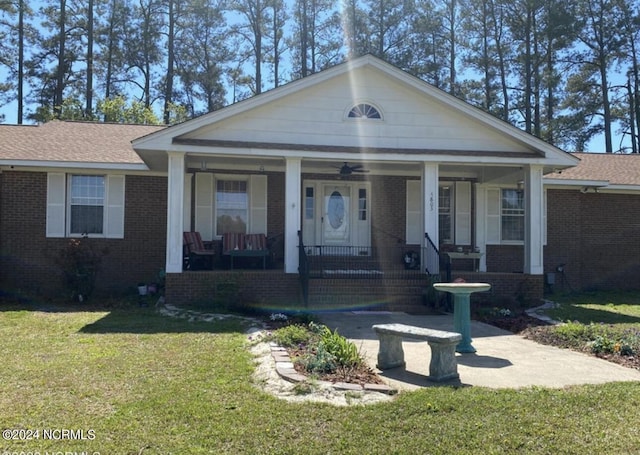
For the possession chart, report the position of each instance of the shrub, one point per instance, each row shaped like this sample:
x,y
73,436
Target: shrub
x,y
319,361
292,336
344,351
80,264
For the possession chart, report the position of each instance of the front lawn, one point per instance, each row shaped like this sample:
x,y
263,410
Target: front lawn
x,y
603,324
148,384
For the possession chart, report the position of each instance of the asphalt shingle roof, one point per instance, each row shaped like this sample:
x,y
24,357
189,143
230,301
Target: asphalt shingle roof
x,y
110,143
618,169
79,142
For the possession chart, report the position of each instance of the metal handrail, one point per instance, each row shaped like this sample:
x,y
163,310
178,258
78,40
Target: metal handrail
x,y
303,269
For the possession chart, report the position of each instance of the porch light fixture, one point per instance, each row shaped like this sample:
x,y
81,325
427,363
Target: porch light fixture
x,y
586,189
203,165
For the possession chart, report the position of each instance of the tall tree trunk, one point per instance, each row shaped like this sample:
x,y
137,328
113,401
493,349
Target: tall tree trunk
x,y
59,89
527,73
21,7
497,32
89,95
632,117
304,39
168,92
606,106
452,48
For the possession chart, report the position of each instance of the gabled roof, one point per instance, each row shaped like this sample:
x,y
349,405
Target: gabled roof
x,y
72,144
612,170
268,122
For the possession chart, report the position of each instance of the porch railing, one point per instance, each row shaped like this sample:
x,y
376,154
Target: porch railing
x,y
303,269
324,261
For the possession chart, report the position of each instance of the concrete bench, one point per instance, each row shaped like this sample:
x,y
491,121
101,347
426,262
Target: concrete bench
x,y
443,364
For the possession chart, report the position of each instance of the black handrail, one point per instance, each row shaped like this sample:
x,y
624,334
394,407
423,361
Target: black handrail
x,y
303,269
431,256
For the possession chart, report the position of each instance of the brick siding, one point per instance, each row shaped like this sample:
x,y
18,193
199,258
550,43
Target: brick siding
x,y
595,236
28,261
263,287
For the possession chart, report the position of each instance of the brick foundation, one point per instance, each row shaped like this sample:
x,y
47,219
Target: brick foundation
x,y
262,287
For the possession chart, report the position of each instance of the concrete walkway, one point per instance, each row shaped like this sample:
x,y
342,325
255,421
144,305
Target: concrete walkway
x,y
502,360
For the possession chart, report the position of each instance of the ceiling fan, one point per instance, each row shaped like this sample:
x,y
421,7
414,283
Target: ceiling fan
x,y
345,169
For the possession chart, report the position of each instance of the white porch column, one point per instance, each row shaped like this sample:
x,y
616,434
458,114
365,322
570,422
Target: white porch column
x,y
481,228
533,220
175,214
292,213
430,200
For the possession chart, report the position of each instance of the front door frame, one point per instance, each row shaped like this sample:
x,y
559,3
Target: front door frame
x,y
314,216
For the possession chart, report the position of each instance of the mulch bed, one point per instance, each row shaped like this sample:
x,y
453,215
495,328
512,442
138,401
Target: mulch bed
x,y
529,327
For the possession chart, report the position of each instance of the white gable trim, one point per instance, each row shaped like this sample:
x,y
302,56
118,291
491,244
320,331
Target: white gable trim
x,y
549,155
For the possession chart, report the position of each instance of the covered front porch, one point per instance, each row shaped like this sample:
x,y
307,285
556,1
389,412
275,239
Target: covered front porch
x,y
359,239
362,171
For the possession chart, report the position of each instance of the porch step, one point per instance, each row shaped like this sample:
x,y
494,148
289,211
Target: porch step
x,y
371,294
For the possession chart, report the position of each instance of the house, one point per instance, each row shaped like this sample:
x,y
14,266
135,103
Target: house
x,y
364,179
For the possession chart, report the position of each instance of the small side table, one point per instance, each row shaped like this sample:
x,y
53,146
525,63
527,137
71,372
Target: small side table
x,y
475,256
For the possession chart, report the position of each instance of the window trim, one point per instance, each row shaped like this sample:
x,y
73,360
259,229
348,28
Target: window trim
x,y
503,215
451,240
204,199
58,205
369,107
69,204
230,178
488,215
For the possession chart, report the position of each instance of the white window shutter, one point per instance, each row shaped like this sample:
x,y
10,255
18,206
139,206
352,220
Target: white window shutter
x,y
414,232
186,203
258,204
114,207
204,205
463,213
493,215
544,217
56,189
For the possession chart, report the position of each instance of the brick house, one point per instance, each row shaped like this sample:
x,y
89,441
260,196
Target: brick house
x,y
364,180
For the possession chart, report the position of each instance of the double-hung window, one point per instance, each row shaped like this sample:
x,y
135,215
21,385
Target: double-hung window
x,y
82,204
512,214
232,206
227,203
445,213
86,204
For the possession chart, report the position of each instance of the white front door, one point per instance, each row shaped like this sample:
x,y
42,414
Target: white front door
x,y
336,216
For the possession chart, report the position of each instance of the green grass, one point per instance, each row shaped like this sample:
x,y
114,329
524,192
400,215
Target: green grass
x,y
608,308
155,385
599,322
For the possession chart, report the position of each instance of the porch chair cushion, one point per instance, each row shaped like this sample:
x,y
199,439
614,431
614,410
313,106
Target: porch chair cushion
x,y
198,254
232,241
245,245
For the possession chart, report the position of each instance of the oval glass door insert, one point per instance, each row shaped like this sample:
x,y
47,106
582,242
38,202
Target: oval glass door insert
x,y
335,210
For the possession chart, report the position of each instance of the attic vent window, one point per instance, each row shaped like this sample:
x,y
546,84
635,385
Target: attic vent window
x,y
364,110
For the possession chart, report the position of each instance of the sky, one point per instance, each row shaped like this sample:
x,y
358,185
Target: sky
x,y
596,145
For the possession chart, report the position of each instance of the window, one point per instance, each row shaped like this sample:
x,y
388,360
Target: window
x,y
232,206
512,214
229,203
309,203
362,204
85,204
445,215
364,110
